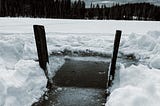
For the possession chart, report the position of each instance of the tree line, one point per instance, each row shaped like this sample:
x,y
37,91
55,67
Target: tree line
x,y
42,8
135,11
77,10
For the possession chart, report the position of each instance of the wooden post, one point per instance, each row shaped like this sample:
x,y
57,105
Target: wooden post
x,y
40,38
0,7
114,58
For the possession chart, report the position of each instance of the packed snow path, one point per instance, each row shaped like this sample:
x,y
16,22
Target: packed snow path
x,y
80,83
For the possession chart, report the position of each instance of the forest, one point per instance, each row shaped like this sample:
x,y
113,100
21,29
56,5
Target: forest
x,y
65,9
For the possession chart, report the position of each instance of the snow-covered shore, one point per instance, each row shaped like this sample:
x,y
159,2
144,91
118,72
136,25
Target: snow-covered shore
x,y
22,81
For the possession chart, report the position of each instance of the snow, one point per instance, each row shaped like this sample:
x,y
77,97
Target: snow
x,y
24,25
138,86
22,85
22,81
155,62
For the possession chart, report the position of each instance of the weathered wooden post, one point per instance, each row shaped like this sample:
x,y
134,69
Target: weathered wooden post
x,y
114,58
40,38
41,44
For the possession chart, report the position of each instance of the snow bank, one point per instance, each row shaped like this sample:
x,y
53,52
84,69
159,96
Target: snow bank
x,y
22,85
22,81
155,62
144,47
10,51
138,86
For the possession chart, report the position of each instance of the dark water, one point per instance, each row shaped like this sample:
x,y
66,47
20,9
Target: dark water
x,y
81,83
82,74
78,83
75,96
